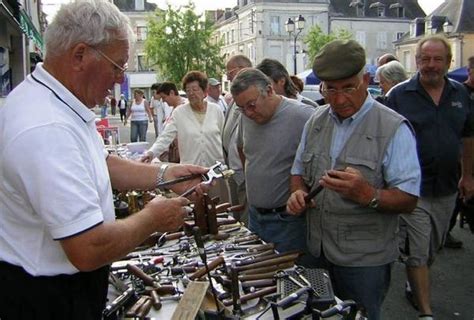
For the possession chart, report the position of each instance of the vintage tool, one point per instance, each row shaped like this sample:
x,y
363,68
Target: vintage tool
x,y
299,270
235,289
217,171
285,275
247,297
269,262
211,266
133,311
150,281
128,297
266,269
313,193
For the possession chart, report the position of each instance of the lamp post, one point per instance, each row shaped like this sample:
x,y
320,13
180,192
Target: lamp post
x,y
294,29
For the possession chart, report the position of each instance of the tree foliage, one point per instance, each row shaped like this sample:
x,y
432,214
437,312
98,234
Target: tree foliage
x,y
316,39
179,41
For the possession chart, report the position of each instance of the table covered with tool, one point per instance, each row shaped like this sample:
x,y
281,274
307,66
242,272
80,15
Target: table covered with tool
x,y
214,268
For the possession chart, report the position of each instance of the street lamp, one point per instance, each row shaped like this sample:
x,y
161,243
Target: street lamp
x,y
291,28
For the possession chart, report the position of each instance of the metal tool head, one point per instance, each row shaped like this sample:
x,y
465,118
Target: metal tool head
x,y
217,171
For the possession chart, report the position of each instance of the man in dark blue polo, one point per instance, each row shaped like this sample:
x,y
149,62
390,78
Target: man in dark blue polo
x,y
440,111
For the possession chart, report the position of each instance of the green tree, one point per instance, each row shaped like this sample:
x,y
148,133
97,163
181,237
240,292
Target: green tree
x,y
316,39
179,41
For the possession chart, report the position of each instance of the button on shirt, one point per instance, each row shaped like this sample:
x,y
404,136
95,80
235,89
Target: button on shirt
x,y
395,159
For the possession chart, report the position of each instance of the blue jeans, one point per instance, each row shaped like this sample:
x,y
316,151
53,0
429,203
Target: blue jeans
x,y
138,130
367,286
286,231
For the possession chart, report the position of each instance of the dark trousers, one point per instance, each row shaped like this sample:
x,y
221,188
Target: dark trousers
x,y
367,286
81,296
123,114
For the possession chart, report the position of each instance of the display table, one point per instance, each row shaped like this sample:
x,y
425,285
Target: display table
x,y
167,279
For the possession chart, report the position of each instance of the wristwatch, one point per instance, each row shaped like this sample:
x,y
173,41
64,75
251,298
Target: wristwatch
x,y
374,203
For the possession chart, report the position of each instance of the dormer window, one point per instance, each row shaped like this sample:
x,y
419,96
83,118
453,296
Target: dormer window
x,y
359,5
380,8
400,10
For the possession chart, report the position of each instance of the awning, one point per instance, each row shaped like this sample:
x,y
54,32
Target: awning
x,y
30,30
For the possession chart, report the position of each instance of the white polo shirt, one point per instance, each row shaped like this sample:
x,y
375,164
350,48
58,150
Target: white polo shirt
x,y
54,181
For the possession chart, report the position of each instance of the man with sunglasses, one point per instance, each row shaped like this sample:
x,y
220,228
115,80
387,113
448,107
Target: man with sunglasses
x,y
270,130
364,156
58,232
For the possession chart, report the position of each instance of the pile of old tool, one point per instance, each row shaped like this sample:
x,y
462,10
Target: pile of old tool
x,y
244,275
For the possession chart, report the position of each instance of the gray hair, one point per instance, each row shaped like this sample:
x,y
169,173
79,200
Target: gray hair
x,y
250,77
392,71
93,22
276,71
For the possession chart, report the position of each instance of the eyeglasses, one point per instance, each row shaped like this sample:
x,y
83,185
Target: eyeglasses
x,y
330,93
250,106
118,69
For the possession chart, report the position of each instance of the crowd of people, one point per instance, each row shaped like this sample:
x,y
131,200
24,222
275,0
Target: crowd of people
x,y
384,175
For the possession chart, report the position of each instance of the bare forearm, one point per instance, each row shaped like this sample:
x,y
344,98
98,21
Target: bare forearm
x,y
127,174
297,183
111,241
396,201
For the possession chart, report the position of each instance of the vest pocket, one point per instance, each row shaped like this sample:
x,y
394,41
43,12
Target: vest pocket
x,y
360,238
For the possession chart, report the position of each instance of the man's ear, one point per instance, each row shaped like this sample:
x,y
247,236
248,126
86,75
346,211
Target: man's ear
x,y
79,56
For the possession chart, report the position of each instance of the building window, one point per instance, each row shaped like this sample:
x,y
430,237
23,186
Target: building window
x,y
232,36
381,40
227,41
400,35
139,5
381,11
142,63
142,33
274,25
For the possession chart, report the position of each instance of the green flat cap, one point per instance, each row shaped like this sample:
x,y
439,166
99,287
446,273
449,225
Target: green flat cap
x,y
339,59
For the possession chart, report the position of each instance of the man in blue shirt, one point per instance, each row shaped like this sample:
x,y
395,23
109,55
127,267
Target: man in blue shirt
x,y
364,156
440,112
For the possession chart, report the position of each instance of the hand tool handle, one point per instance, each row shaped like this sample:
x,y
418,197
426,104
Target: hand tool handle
x,y
211,265
257,294
259,276
313,193
133,311
137,272
144,309
178,180
155,298
258,283
273,268
189,191
269,262
288,300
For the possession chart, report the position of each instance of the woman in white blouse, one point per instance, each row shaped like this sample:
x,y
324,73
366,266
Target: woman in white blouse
x,y
197,125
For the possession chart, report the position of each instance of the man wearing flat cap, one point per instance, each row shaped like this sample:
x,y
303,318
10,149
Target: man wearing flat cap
x,y
364,156
214,94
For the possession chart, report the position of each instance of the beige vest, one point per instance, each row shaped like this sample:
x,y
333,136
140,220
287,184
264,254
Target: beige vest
x,y
349,233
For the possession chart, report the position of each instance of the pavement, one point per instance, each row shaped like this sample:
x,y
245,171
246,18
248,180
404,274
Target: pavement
x,y
452,274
